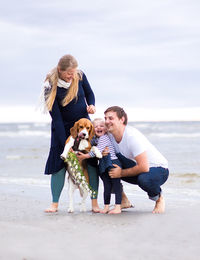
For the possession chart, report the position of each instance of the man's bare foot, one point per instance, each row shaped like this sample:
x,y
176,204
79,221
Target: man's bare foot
x,y
160,206
95,206
105,210
116,210
53,208
125,204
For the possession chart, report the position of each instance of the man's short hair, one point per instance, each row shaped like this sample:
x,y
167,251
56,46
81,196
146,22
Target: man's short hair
x,y
119,111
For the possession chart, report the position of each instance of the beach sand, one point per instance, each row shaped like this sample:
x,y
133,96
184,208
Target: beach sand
x,y
27,233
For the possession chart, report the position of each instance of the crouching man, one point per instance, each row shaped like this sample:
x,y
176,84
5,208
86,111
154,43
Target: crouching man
x,y
142,163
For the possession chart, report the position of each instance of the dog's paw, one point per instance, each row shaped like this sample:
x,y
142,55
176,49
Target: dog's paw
x,y
62,156
99,155
70,210
83,209
96,151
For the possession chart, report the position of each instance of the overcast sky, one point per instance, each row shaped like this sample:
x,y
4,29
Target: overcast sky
x,y
135,53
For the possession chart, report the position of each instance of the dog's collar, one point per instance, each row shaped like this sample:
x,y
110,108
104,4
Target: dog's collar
x,y
76,144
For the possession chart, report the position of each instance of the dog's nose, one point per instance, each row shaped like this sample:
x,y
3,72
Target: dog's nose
x,y
82,135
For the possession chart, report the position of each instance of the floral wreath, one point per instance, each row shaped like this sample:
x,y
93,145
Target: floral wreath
x,y
76,172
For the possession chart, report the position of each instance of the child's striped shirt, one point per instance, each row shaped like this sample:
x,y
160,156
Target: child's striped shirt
x,y
103,142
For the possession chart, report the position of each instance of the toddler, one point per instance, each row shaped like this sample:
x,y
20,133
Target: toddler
x,y
105,164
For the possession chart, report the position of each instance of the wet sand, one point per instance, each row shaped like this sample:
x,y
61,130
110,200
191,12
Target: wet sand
x,y
27,233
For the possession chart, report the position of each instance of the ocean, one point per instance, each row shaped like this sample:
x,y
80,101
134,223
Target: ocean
x,y
25,146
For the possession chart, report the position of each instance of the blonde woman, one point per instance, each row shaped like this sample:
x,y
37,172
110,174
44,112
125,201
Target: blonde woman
x,y
68,97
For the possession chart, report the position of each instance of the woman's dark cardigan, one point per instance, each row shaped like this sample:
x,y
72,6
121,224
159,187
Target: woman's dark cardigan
x,y
63,118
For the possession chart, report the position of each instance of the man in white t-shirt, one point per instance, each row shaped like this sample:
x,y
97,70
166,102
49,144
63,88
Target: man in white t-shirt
x,y
142,163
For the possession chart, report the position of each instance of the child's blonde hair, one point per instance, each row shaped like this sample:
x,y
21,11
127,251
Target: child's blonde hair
x,y
98,120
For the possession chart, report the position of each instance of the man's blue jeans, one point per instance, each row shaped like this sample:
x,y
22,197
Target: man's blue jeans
x,y
148,181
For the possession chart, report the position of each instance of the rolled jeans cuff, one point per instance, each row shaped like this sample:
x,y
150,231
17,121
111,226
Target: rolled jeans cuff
x,y
155,198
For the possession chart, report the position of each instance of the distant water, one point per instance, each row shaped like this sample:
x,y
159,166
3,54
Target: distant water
x,y
25,146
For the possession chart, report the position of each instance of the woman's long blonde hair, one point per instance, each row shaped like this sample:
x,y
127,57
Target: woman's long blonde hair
x,y
66,62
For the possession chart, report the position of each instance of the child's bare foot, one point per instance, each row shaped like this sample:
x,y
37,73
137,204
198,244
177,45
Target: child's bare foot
x,y
116,210
53,208
160,206
105,210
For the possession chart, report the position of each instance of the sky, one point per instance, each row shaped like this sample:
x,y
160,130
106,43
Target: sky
x,y
139,54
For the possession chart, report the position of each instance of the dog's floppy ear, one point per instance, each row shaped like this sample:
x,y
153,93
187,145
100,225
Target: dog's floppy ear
x,y
74,130
91,132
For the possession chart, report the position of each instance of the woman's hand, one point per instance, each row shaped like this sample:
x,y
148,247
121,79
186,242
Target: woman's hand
x,y
82,156
91,109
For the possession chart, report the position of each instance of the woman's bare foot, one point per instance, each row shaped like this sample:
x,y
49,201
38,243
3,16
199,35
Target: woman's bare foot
x,y
53,208
160,206
125,204
105,210
95,206
116,210
96,209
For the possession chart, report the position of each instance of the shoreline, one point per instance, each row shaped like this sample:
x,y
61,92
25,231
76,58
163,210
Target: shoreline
x,y
28,233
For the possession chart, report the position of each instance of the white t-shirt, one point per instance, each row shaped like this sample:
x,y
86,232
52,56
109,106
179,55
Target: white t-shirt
x,y
134,143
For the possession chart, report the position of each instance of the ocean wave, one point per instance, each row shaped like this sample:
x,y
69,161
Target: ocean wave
x,y
187,175
41,124
13,157
21,157
23,126
176,135
188,193
24,133
24,181
178,192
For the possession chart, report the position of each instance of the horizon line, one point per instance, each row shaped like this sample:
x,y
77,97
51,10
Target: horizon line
x,y
32,114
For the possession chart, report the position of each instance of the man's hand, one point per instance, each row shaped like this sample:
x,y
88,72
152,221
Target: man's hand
x,y
82,156
91,109
115,172
142,166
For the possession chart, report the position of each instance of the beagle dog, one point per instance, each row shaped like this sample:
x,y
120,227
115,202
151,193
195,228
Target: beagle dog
x,y
81,134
